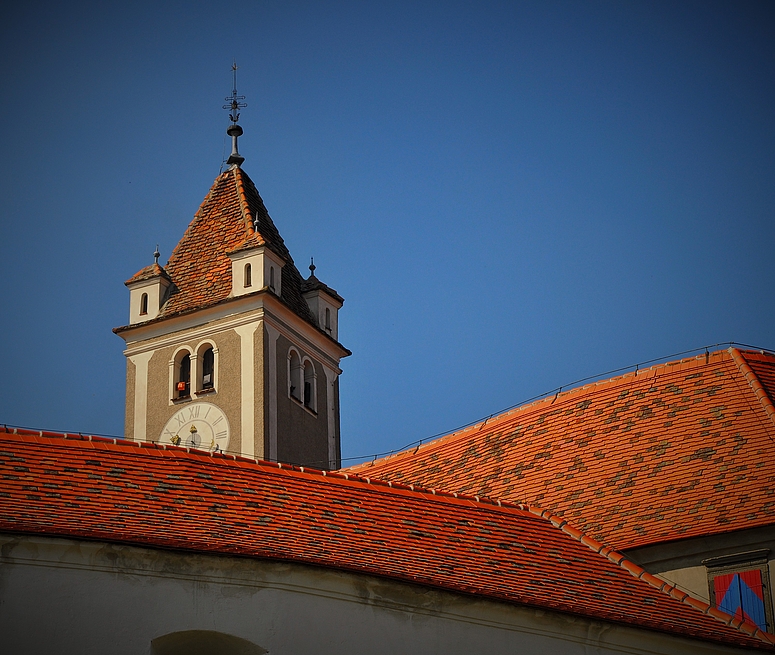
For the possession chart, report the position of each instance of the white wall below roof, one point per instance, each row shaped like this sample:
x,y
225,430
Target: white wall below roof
x,y
156,289
80,597
262,261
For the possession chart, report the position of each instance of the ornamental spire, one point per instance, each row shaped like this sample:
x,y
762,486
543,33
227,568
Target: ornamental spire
x,y
234,131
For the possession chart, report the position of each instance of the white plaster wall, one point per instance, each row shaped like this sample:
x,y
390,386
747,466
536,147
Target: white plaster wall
x,y
155,288
318,303
260,260
692,579
63,596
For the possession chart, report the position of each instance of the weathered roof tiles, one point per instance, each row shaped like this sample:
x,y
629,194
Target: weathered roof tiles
x,y
231,216
678,450
170,497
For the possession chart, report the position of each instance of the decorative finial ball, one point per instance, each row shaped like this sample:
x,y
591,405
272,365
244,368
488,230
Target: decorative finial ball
x,y
234,130
312,266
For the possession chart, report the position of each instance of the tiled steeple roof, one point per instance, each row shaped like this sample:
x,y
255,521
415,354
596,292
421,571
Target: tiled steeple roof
x,y
679,450
187,500
200,268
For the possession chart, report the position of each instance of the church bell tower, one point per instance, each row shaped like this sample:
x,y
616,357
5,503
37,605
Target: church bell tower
x,y
228,347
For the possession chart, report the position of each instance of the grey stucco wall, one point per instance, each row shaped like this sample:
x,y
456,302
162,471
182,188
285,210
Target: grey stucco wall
x,y
63,596
302,437
226,396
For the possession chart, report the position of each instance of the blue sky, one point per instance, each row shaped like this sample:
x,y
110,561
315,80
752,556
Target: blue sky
x,y
510,196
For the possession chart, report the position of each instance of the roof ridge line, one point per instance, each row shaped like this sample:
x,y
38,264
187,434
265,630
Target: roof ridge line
x,y
754,382
342,475
198,212
458,433
244,205
398,486
641,574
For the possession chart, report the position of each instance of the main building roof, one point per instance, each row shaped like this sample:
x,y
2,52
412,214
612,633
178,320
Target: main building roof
x,y
678,450
104,489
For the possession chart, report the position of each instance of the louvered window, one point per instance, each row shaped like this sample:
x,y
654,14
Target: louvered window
x,y
741,595
740,587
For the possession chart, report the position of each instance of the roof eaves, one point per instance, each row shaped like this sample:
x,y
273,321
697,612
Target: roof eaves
x,y
191,310
148,273
313,284
641,574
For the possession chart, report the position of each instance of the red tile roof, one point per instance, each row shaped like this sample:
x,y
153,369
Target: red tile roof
x,y
104,489
313,284
148,273
678,450
200,267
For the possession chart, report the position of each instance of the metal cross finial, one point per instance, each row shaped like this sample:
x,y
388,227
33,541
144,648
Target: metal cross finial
x,y
156,254
312,266
234,100
234,130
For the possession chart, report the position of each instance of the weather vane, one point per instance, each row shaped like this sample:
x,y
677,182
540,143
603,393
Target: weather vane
x,y
234,130
234,100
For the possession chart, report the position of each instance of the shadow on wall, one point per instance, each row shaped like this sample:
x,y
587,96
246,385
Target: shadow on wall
x,y
203,642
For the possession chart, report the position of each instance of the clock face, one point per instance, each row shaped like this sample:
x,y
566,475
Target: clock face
x,y
199,425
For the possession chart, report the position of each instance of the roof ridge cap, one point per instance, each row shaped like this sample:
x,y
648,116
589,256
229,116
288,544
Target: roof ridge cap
x,y
754,382
244,205
533,405
121,443
198,212
398,486
640,573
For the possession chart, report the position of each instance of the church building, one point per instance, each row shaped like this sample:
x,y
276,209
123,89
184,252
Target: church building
x,y
632,516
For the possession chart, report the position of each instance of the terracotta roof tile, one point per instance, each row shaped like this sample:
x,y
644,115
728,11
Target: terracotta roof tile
x,y
679,450
92,488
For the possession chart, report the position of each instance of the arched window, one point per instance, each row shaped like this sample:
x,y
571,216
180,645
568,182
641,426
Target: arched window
x,y
271,278
144,304
208,369
294,375
183,386
328,320
248,279
192,642
310,386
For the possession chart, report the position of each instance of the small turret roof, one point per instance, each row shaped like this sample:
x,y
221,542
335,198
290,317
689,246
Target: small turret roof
x,y
313,284
148,273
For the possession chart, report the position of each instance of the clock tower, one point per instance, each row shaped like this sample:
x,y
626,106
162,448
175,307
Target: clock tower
x,y
228,347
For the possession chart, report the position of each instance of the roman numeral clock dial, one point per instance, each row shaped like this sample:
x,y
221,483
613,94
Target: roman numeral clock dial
x,y
199,425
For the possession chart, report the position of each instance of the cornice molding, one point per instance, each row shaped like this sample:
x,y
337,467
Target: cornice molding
x,y
254,309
